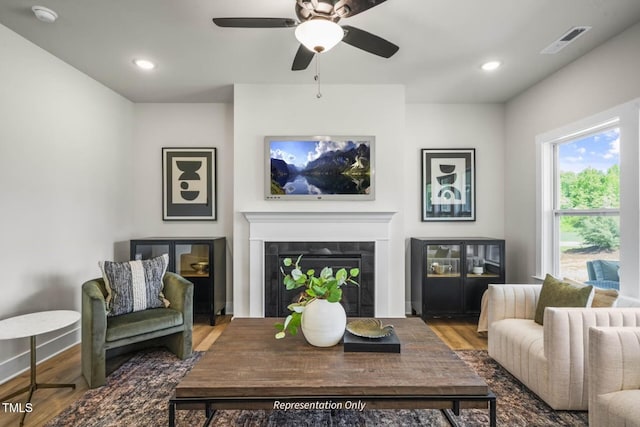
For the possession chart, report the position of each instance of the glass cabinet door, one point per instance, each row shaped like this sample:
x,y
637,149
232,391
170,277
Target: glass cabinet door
x,y
443,260
192,260
149,250
483,260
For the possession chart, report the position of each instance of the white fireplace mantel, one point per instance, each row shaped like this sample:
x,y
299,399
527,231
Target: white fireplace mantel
x,y
317,227
332,217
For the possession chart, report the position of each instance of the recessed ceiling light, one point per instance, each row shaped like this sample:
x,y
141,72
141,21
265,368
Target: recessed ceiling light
x,y
491,65
44,14
144,64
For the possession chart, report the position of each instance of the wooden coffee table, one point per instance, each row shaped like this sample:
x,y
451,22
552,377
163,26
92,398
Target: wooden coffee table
x,y
247,368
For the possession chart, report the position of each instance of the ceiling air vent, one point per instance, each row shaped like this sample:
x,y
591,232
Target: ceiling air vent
x,y
565,39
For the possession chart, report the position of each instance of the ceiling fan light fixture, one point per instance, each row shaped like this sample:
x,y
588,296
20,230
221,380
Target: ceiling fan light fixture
x,y
144,64
491,65
319,34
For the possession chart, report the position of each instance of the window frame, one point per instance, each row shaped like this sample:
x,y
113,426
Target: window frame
x,y
556,210
626,117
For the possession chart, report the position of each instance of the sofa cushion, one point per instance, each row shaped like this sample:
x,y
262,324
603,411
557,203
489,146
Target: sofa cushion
x,y
604,297
134,285
142,322
601,297
518,345
555,293
618,409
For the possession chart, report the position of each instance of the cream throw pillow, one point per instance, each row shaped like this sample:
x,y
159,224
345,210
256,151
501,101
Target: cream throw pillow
x,y
601,297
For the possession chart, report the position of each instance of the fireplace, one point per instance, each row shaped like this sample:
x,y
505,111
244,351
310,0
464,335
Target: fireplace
x,y
358,301
316,229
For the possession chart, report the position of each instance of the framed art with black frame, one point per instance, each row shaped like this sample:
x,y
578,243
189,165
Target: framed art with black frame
x,y
189,184
448,184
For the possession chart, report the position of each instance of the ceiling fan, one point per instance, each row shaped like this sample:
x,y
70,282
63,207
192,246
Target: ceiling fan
x,y
317,28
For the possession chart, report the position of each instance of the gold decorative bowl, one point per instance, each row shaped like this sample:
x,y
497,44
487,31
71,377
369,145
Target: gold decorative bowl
x,y
201,267
369,328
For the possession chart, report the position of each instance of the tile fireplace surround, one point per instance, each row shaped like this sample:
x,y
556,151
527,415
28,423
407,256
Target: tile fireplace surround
x,y
318,227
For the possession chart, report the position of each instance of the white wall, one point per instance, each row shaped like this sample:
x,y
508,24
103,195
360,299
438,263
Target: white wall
x,y
261,110
64,166
479,126
181,125
605,77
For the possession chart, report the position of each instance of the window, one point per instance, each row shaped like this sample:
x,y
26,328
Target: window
x,y
588,200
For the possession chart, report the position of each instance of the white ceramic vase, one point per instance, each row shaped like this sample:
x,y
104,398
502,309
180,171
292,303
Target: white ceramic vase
x,y
323,323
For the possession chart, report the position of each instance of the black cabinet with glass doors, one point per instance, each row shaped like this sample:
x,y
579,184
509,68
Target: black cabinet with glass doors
x,y
449,276
202,261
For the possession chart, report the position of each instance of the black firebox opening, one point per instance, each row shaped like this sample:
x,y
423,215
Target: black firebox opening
x,y
358,301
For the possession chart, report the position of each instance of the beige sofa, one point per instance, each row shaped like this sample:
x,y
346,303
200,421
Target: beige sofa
x,y
551,359
614,377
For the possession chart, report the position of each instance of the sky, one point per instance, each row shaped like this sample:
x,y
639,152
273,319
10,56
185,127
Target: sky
x,y
599,151
300,153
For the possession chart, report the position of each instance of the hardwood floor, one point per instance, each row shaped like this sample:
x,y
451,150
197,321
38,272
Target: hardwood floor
x,y
459,334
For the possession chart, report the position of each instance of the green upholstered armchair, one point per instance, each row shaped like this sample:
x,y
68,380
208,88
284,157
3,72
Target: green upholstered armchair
x,y
101,335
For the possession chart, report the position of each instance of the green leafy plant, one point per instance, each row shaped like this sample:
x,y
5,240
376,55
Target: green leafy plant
x,y
601,232
324,286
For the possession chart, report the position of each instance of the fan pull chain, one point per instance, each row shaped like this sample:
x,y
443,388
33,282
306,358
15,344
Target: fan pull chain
x,y
317,76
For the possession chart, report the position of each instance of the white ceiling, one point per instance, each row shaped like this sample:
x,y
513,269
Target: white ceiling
x,y
442,44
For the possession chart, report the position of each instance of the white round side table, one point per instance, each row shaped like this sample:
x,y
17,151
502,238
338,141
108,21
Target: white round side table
x,y
30,325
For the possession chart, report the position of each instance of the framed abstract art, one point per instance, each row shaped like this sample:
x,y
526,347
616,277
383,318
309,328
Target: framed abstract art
x,y
189,184
448,185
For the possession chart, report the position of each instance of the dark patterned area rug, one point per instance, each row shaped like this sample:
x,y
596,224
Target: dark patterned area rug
x,y
137,394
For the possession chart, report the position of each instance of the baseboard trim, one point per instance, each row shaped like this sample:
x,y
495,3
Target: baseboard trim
x,y
15,366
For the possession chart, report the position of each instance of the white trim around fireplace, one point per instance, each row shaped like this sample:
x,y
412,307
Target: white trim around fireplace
x,y
319,227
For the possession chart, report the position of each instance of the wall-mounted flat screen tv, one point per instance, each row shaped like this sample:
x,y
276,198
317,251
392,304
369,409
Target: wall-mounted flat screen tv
x,y
319,167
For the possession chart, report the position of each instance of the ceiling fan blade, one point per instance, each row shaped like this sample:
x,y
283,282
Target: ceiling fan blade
x,y
356,6
255,22
303,59
368,42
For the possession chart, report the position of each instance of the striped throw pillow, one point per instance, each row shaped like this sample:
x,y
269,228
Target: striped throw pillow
x,y
134,285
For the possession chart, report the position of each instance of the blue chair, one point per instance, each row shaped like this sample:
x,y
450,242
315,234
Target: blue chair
x,y
603,274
